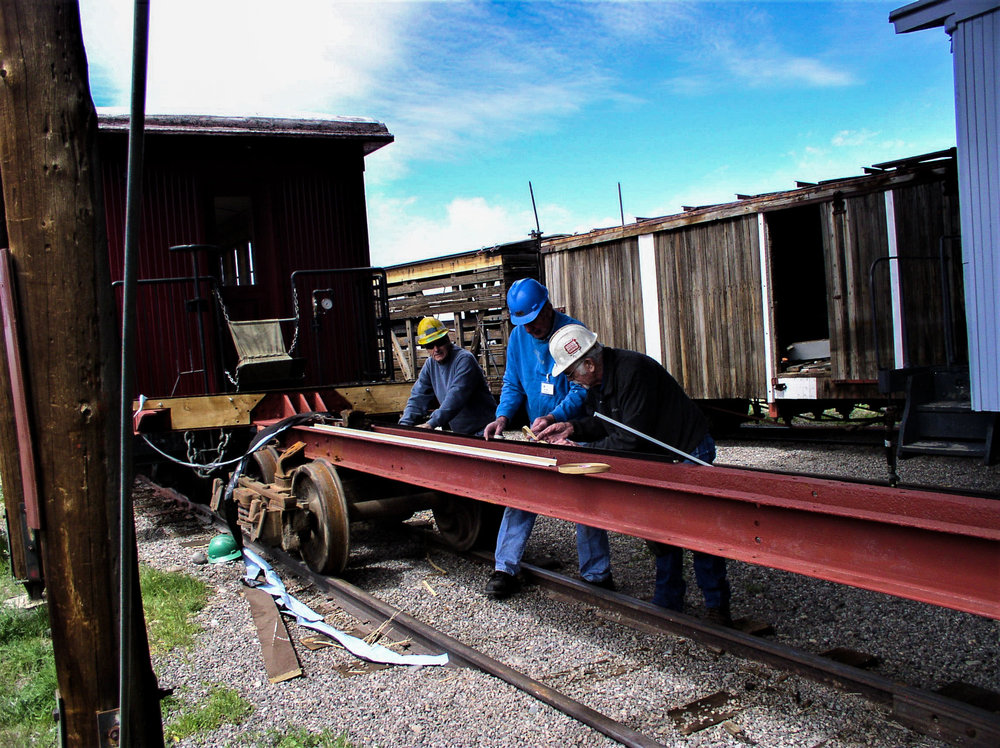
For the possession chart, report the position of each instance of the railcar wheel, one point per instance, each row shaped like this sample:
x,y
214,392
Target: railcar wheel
x,y
325,540
263,465
467,523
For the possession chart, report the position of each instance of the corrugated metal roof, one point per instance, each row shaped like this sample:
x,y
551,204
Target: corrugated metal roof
x,y
927,14
372,134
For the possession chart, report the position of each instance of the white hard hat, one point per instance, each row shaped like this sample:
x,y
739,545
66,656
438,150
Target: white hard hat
x,y
568,345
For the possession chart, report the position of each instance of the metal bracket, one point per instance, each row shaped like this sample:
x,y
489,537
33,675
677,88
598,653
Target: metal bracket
x,y
34,580
108,728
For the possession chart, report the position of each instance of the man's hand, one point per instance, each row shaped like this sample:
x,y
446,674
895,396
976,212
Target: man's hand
x,y
542,422
557,433
495,428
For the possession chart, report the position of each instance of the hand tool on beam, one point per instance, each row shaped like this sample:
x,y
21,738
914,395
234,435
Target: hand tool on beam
x,y
631,430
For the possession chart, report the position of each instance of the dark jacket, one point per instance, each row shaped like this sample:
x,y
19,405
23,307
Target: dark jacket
x,y
459,385
637,391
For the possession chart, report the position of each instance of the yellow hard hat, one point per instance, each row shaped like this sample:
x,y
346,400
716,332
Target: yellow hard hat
x,y
429,330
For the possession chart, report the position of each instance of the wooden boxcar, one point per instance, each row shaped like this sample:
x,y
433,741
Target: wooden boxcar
x,y
795,298
254,201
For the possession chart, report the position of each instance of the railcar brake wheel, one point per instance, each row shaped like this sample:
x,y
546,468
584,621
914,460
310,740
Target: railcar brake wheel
x,y
326,539
467,523
263,465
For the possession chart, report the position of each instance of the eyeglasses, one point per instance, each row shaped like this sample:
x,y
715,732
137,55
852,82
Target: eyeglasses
x,y
575,369
435,343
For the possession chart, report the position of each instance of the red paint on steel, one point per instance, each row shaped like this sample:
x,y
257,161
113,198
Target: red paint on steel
x,y
25,444
928,546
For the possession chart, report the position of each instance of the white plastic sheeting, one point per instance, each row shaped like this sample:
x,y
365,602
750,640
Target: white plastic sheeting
x,y
307,617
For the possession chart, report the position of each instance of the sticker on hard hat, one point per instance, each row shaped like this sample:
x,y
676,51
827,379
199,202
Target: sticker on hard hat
x,y
572,346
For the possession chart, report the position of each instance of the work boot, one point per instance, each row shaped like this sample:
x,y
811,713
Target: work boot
x,y
719,616
608,583
502,585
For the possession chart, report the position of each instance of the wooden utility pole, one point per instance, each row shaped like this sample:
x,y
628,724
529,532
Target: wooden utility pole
x,y
55,225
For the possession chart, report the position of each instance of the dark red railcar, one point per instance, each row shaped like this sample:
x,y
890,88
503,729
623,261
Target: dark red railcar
x,y
264,216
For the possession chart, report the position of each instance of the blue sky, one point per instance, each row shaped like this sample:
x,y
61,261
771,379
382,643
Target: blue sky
x,y
683,103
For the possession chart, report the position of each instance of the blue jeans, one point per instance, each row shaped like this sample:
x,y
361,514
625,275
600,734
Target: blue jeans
x,y
709,570
592,546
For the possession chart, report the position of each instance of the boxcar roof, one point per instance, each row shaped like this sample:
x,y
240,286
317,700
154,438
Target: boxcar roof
x,y
371,134
876,177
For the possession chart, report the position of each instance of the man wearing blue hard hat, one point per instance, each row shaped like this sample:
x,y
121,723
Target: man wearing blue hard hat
x,y
549,399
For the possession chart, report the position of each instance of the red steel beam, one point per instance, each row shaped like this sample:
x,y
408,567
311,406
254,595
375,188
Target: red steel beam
x,y
929,546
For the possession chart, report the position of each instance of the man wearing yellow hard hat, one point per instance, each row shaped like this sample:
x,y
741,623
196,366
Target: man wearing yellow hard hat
x,y
452,377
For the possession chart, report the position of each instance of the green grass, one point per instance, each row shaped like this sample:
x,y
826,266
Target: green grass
x,y
28,673
298,737
168,601
223,706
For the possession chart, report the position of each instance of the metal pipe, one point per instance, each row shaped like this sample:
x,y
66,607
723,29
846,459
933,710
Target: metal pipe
x,y
392,506
647,437
133,212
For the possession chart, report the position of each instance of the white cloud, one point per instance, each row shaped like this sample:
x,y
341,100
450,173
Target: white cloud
x,y
852,137
214,58
740,49
402,232
786,70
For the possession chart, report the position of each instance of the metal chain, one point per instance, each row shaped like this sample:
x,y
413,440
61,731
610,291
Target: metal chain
x,y
225,313
195,455
295,311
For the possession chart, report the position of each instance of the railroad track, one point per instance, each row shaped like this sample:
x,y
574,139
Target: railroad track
x,y
929,713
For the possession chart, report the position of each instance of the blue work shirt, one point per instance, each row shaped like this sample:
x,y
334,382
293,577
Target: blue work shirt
x,y
529,366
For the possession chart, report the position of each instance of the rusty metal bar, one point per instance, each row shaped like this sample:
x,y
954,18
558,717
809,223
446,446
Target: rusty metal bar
x,y
12,342
927,546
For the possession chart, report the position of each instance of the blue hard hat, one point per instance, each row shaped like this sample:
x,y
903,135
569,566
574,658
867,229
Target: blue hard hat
x,y
525,300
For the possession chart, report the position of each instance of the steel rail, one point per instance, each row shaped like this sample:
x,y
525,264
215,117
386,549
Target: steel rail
x,y
460,653
874,537
926,712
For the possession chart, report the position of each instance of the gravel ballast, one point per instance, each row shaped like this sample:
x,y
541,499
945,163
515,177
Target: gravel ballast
x,y
627,675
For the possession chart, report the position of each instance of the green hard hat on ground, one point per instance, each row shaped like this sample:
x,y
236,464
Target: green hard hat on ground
x,y
223,548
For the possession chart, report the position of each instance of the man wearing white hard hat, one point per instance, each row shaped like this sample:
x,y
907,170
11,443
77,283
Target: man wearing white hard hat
x,y
636,391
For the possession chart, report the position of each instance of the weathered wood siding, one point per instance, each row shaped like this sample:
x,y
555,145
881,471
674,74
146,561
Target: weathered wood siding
x,y
599,286
926,214
711,313
468,293
854,236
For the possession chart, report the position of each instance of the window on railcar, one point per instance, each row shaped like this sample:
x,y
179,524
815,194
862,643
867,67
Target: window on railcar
x,y
234,233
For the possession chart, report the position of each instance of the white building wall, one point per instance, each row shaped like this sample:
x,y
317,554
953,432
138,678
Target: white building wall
x,y
976,48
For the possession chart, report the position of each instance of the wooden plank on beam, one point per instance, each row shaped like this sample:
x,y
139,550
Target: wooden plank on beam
x,y
462,449
213,411
389,397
